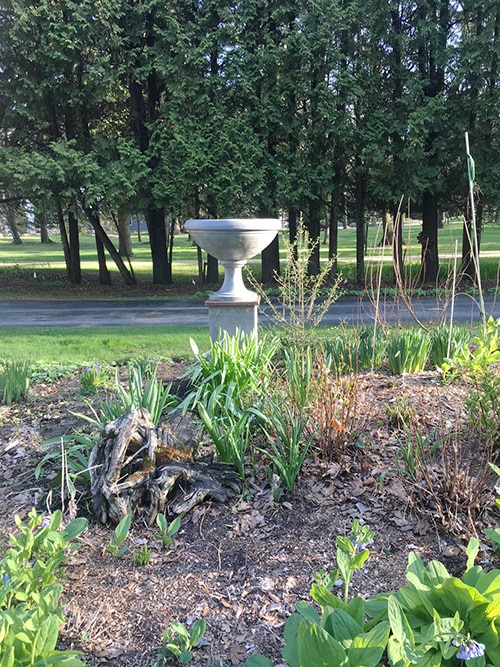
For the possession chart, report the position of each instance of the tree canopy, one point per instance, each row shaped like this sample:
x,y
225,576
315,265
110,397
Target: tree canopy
x,y
180,109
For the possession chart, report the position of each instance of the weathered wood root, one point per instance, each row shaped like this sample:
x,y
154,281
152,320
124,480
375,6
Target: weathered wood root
x,y
139,469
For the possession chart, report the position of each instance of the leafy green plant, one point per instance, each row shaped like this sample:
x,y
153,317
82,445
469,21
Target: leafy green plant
x,y
227,425
116,546
93,378
299,366
30,611
339,635
493,534
75,448
15,377
352,552
166,530
142,557
302,299
447,344
239,363
438,619
477,362
400,413
408,351
414,452
178,642
354,350
151,395
288,441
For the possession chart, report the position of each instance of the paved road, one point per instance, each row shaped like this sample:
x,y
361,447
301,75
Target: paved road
x,y
17,314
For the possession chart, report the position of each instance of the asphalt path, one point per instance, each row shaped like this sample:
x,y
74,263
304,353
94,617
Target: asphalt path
x,y
173,313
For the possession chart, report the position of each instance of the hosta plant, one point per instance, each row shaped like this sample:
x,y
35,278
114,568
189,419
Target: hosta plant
x,y
437,620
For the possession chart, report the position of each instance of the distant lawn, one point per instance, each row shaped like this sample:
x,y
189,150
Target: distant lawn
x,y
24,265
77,347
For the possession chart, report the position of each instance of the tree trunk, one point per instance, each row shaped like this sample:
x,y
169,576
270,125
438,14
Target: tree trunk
x,y
270,256
41,218
360,228
10,214
270,260
155,220
292,225
333,237
124,239
104,274
75,269
428,238
397,246
93,218
313,228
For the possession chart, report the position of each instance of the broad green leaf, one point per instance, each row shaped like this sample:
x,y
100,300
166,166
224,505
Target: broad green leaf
x,y
316,648
75,528
425,594
62,659
395,653
399,623
489,584
290,650
123,528
180,628
455,596
356,609
184,657
359,559
325,598
307,612
258,661
340,625
472,551
174,525
478,620
435,573
366,649
473,575
46,638
7,659
197,631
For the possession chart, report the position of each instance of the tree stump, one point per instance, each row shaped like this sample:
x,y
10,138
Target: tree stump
x,y
140,469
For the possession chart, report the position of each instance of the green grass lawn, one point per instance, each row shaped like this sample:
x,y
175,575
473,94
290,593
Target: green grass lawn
x,y
20,264
32,254
77,347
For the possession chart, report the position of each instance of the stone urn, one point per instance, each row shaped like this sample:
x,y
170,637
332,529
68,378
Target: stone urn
x,y
233,242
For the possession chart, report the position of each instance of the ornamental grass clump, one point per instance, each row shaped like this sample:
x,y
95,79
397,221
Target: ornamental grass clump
x,y
408,351
356,349
15,378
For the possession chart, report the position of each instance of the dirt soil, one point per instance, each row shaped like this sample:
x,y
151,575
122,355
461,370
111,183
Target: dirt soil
x,y
241,566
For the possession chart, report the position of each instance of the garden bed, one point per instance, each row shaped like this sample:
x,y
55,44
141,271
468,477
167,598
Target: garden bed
x,y
243,565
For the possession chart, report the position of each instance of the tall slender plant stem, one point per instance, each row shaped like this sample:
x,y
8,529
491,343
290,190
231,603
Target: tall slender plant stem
x,y
452,313
471,173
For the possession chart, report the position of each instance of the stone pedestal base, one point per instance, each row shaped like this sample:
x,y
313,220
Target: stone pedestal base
x,y
229,316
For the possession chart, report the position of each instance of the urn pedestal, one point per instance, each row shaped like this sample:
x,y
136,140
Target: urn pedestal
x,y
233,242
